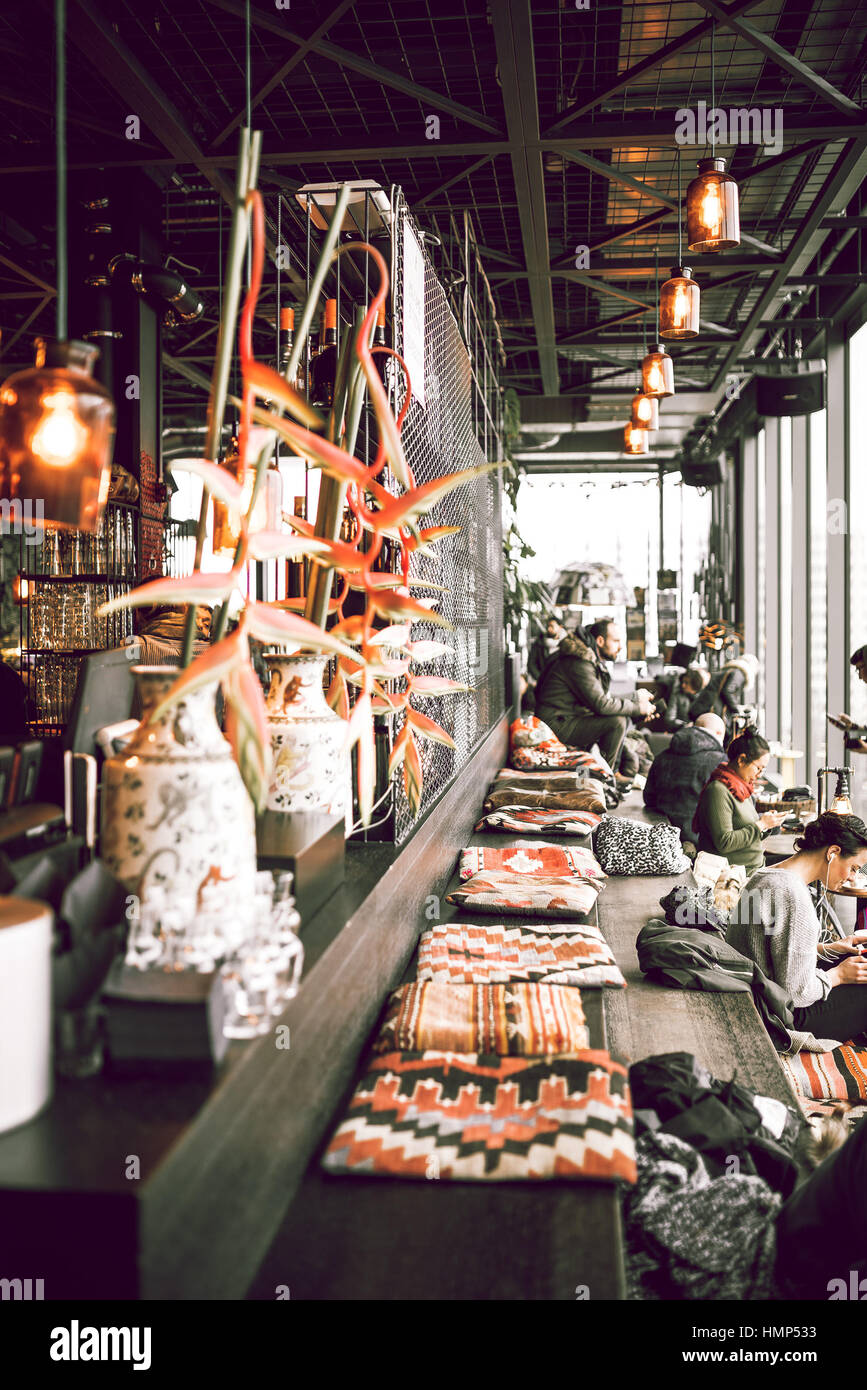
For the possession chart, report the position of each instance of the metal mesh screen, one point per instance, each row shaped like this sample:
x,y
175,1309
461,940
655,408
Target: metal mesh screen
x,y
441,437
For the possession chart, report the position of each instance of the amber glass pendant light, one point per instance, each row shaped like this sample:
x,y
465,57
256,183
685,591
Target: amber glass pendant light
x,y
56,422
680,297
712,219
657,368
712,216
645,412
635,440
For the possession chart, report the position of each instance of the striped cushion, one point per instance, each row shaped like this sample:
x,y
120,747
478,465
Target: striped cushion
x,y
837,1075
537,822
506,1020
562,953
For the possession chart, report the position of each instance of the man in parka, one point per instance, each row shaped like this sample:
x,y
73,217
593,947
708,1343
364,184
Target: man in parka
x,y
572,694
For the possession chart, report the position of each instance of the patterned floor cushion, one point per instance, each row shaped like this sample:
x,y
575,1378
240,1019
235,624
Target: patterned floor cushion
x,y
534,745
518,1020
556,953
482,1119
538,822
560,896
626,846
525,857
542,781
518,798
837,1075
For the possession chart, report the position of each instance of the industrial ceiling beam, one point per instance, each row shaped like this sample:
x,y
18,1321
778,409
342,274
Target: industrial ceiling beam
x,y
513,36
356,63
782,57
118,66
455,178
842,182
650,133
653,61
285,68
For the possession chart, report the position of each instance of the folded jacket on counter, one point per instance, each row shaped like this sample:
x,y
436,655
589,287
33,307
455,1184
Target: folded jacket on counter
x,y
529,895
538,822
581,799
474,1117
527,857
523,1020
561,953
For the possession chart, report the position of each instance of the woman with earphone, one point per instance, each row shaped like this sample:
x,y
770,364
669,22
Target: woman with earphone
x,y
775,923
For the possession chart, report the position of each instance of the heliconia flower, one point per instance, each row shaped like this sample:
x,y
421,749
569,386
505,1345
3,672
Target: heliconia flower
x,y
435,685
197,587
218,480
272,386
426,728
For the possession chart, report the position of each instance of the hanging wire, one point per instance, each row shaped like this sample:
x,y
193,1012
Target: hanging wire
x,y
656,266
247,65
60,138
712,87
679,215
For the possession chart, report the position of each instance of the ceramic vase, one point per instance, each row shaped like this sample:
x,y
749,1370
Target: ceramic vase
x,y
311,771
175,812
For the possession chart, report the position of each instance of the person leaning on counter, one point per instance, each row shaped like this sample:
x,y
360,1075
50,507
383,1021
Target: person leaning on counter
x,y
726,820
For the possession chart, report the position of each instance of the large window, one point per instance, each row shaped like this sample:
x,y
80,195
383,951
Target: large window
x,y
857,516
817,551
761,557
786,647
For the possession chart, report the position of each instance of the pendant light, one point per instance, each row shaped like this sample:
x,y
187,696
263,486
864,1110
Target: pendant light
x,y
56,421
635,440
712,216
657,368
680,297
645,412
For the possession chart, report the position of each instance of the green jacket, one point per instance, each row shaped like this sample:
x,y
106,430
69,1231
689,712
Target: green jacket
x,y
730,827
574,686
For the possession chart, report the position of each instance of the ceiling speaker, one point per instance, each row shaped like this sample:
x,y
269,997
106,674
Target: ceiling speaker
x,y
701,472
790,387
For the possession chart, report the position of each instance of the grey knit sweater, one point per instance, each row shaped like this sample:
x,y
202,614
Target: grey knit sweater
x,y
775,924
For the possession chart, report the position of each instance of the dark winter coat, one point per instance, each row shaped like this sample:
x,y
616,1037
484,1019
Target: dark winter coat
x,y
677,707
722,695
541,652
678,774
575,685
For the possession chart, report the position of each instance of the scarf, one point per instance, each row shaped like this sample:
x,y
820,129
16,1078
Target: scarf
x,y
731,778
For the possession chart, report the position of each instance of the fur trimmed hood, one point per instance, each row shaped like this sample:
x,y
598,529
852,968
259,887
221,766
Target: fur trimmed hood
x,y
748,666
574,645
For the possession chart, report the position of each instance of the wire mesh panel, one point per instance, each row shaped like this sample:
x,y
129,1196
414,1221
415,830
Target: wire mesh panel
x,y
441,437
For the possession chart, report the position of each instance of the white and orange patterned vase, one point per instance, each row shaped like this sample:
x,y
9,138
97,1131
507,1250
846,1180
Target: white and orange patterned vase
x,y
311,769
176,815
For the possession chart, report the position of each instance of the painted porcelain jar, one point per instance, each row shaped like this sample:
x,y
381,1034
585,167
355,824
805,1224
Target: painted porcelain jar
x,y
311,770
175,812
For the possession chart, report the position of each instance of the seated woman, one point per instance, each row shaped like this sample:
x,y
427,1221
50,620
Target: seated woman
x,y
726,821
776,925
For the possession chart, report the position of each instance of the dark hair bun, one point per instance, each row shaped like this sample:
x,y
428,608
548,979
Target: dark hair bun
x,y
749,745
849,832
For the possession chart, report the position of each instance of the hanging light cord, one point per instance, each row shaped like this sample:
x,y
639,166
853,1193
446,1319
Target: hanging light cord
x,y
679,216
712,87
249,108
60,138
656,271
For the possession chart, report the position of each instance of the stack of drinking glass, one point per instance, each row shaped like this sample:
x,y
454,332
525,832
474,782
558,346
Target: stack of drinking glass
x,y
260,963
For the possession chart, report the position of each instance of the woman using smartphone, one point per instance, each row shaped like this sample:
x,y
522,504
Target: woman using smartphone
x,y
726,821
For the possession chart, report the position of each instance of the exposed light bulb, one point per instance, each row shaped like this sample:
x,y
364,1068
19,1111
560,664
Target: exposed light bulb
x,y
711,209
59,437
644,408
680,308
656,382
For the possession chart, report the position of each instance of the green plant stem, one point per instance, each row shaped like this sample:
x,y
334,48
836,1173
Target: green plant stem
x,y
332,492
331,238
249,151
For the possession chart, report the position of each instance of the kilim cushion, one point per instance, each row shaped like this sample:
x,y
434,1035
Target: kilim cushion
x,y
482,1119
530,732
556,953
547,781
528,758
528,895
837,1075
525,857
506,1020
581,799
538,822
